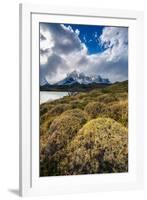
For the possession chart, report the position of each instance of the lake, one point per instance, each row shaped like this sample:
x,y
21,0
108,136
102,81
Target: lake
x,y
50,96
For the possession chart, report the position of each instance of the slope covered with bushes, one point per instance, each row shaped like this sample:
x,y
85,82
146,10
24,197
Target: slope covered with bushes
x,y
85,132
100,146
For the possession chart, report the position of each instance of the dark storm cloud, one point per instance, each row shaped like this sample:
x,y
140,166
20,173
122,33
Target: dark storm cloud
x,y
50,69
42,37
44,51
65,39
55,61
62,51
83,61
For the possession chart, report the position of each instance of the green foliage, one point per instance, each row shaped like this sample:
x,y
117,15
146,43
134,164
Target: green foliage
x,y
54,111
58,109
44,108
119,87
78,104
107,98
44,134
94,109
99,147
46,119
118,111
122,96
61,131
85,132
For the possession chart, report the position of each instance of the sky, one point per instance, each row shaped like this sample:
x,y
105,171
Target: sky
x,y
91,49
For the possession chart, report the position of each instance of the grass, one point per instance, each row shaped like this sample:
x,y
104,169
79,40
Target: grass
x,y
85,132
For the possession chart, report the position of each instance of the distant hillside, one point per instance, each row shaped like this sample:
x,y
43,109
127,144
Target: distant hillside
x,y
75,87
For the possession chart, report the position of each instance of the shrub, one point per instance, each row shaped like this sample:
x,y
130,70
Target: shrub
x,y
99,147
63,100
44,108
116,88
44,127
54,111
107,98
106,90
66,147
44,118
61,131
58,109
120,87
78,104
44,134
122,96
94,109
45,122
81,95
118,111
94,93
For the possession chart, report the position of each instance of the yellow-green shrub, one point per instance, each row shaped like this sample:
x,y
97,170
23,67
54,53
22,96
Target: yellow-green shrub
x,y
58,109
119,87
107,98
61,131
55,110
122,96
44,108
118,111
94,109
78,104
99,147
59,127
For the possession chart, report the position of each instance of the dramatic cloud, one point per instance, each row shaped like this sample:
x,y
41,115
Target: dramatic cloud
x,y
61,51
116,41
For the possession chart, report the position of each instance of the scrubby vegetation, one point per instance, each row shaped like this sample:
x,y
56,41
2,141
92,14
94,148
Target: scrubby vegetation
x,y
85,132
118,111
61,132
94,109
99,147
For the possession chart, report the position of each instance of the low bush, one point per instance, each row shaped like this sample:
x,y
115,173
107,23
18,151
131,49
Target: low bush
x,y
107,98
71,144
55,110
61,131
58,109
94,109
118,111
78,104
44,108
116,88
99,147
122,96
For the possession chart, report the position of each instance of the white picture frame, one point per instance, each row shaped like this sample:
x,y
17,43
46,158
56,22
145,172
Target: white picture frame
x,y
30,182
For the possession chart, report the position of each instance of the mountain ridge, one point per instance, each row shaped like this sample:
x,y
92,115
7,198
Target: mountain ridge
x,y
80,78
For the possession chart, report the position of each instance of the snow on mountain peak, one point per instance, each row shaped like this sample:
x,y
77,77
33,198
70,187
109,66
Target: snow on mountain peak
x,y
44,82
80,77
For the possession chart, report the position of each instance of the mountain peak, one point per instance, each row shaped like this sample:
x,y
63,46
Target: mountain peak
x,y
73,74
80,77
44,82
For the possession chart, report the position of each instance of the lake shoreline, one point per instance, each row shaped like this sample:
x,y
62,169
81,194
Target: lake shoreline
x,y
48,96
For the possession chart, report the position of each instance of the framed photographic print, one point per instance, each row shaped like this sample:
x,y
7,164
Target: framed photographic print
x,y
81,97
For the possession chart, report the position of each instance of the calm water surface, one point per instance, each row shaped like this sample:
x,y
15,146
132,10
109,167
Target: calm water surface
x,y
50,96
